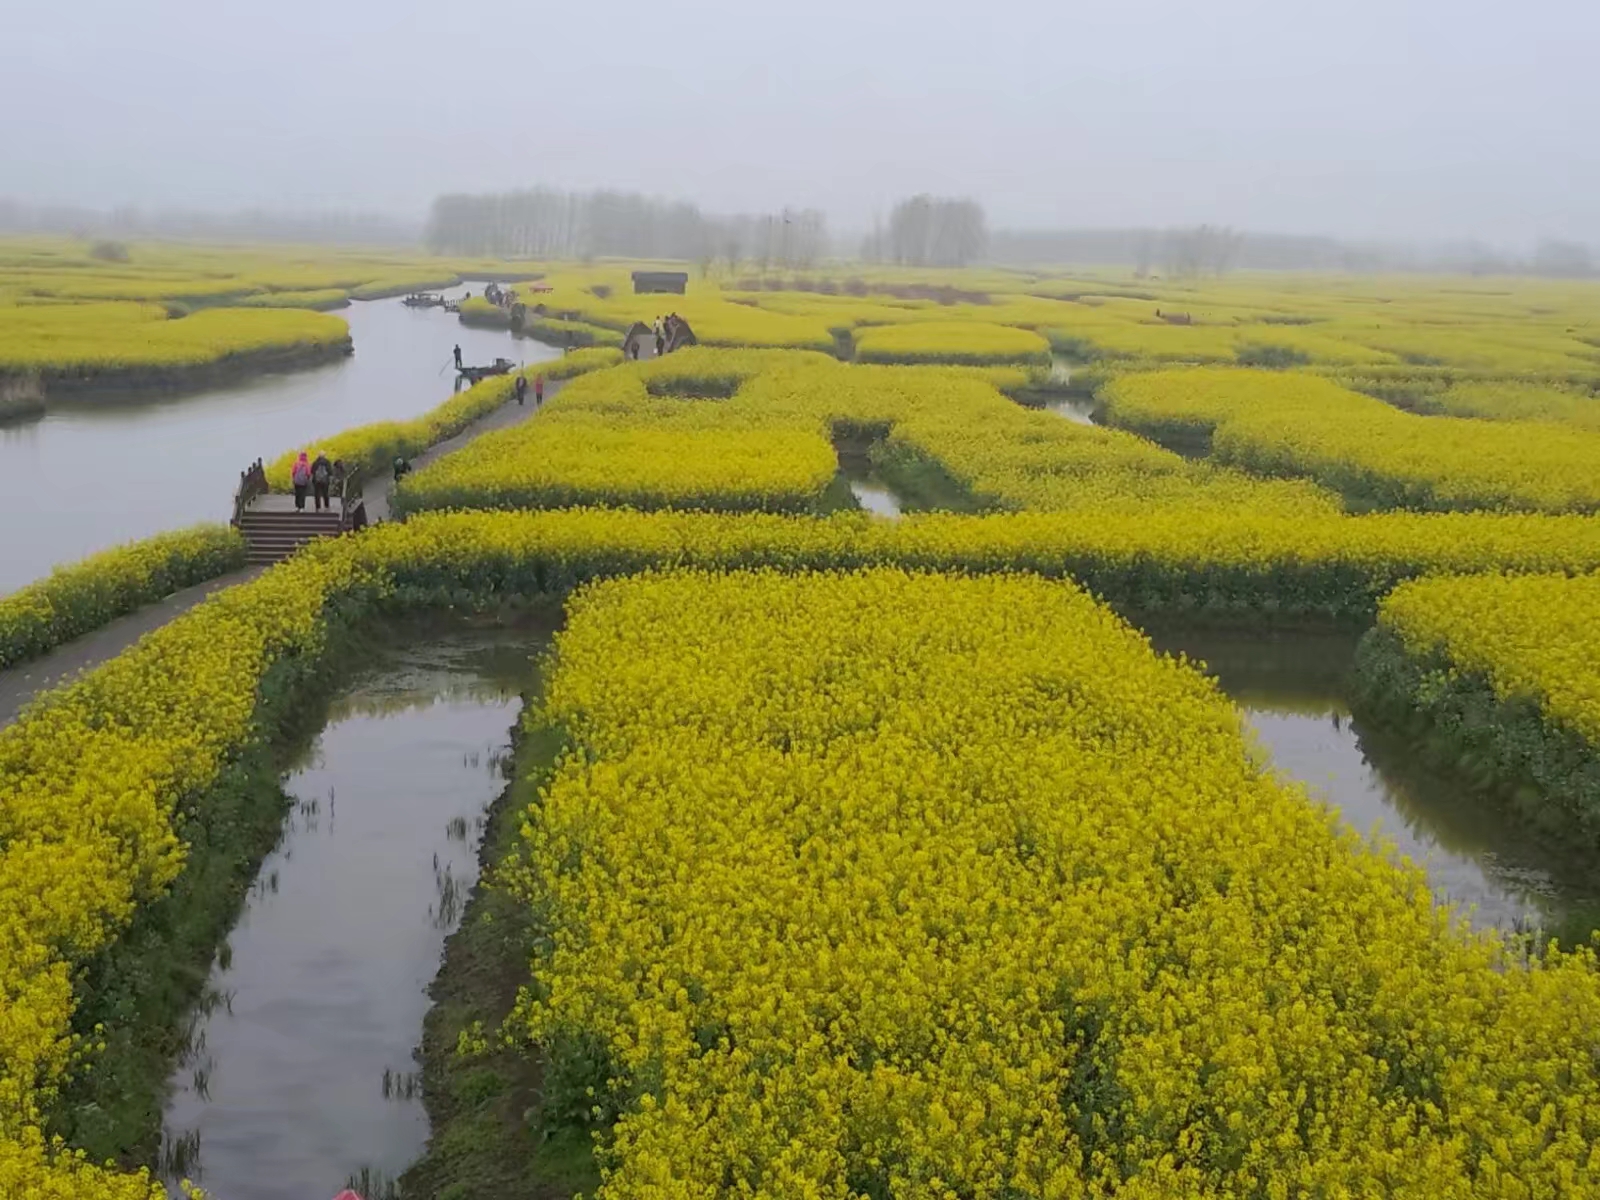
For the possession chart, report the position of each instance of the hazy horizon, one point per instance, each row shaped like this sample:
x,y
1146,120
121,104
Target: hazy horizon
x,y
1390,122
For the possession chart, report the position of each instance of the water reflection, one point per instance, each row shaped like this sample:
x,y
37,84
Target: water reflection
x,y
103,469
304,1074
1078,410
871,493
1294,690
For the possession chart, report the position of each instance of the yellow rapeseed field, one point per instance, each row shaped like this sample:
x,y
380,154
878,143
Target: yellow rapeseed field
x,y
901,885
76,599
93,338
1295,424
970,342
752,429
374,447
91,777
883,859
1534,637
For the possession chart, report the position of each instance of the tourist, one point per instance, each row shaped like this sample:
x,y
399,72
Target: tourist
x,y
300,476
458,357
339,475
321,477
521,389
401,467
538,390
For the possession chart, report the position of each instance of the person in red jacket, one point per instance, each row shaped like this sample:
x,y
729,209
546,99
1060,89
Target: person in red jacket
x,y
300,476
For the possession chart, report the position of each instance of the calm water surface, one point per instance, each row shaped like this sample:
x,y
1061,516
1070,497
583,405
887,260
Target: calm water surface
x,y
1294,690
95,471
872,494
324,989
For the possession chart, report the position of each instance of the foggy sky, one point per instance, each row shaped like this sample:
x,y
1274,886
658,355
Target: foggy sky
x,y
1363,118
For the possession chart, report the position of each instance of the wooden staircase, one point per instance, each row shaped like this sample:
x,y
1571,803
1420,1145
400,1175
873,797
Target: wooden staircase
x,y
274,528
272,534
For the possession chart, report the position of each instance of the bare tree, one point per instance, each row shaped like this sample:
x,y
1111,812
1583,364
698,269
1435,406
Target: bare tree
x,y
1202,250
929,231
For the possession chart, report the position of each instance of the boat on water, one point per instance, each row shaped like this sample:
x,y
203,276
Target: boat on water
x,y
501,366
423,300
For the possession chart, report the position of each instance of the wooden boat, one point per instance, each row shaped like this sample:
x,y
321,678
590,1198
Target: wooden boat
x,y
423,300
502,366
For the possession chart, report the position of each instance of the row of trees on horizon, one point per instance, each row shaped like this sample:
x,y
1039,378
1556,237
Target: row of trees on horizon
x,y
921,230
548,223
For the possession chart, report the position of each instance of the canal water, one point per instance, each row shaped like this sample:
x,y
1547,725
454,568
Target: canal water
x,y
101,469
1294,689
871,493
302,1075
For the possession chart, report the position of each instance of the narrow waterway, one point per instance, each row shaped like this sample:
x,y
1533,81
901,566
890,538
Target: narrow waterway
x,y
301,1074
101,469
1077,407
1294,689
871,493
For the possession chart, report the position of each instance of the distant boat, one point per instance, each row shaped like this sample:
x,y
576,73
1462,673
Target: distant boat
x,y
423,300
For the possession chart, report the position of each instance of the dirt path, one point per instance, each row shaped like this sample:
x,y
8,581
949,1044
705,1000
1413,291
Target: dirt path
x,y
23,682
377,490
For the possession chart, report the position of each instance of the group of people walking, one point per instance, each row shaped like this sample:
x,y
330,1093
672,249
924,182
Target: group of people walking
x,y
319,477
666,330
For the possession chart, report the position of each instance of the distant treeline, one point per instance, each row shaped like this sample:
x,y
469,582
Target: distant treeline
x,y
1211,250
547,223
930,231
250,225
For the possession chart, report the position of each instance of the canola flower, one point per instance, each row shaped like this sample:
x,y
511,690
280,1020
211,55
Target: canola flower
x,y
93,776
752,430
891,884
1511,401
1295,424
88,339
75,599
373,447
969,342
1532,637
317,299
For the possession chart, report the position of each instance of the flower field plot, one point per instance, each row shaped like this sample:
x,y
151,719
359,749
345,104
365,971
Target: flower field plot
x,y
1374,454
951,342
1502,671
752,430
883,884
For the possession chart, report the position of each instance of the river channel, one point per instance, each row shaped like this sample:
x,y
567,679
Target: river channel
x,y
1294,690
302,1074
101,469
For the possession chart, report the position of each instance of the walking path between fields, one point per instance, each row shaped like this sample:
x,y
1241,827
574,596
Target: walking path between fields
x,y
21,683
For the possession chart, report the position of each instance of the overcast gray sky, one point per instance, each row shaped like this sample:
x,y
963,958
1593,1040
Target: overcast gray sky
x,y
1366,118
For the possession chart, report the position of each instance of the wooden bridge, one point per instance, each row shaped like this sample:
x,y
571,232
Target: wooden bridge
x,y
274,529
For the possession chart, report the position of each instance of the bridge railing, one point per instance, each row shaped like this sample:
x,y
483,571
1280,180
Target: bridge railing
x,y
350,499
252,483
